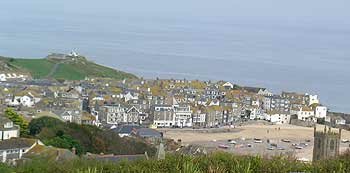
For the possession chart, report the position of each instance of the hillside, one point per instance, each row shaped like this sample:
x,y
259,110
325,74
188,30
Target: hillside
x,y
85,138
58,66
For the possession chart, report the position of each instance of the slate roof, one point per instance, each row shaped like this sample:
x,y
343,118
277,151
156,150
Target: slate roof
x,y
126,129
3,121
147,132
16,143
253,89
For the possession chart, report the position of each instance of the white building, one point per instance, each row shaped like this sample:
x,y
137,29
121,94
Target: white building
x,y
114,114
304,114
228,85
163,116
183,116
129,96
313,99
72,116
13,149
256,113
321,112
277,117
27,100
265,92
3,77
7,129
198,118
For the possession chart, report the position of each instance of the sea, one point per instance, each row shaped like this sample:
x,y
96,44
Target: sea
x,y
301,46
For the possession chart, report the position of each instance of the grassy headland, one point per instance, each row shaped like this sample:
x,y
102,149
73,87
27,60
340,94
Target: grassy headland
x,y
67,68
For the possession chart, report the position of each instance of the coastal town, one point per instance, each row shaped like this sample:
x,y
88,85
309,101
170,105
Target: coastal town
x,y
213,115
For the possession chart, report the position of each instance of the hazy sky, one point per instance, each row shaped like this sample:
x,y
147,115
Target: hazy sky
x,y
269,9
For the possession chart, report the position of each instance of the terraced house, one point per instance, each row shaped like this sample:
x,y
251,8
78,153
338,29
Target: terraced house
x,y
7,129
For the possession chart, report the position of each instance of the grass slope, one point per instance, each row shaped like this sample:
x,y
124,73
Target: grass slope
x,y
67,69
38,68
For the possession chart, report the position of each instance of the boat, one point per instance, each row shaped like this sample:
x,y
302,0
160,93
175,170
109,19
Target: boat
x,y
299,147
224,146
258,141
286,140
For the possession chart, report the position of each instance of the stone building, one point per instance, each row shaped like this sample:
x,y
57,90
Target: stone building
x,y
326,143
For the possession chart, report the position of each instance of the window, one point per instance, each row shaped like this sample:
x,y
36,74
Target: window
x,y
332,145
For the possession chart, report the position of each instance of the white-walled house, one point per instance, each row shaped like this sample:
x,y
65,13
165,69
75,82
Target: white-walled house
x,y
3,77
228,85
114,113
337,120
304,114
163,115
183,116
7,129
72,116
198,118
14,149
277,117
129,96
265,92
313,99
27,100
321,112
256,113
8,76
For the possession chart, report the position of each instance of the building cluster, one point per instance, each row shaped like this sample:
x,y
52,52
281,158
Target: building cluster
x,y
160,103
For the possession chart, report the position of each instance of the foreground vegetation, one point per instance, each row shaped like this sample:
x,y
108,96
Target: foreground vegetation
x,y
215,163
62,69
85,138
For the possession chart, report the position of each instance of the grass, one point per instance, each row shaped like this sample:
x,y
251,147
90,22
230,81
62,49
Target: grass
x,y
38,68
214,163
66,69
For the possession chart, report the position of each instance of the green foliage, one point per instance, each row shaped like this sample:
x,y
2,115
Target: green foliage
x,y
214,163
38,68
5,168
36,125
84,138
18,120
65,141
64,69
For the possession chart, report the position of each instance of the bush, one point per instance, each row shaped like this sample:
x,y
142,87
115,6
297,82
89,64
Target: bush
x,y
215,163
85,138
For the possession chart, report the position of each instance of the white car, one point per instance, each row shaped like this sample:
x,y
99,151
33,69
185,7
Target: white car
x,y
232,142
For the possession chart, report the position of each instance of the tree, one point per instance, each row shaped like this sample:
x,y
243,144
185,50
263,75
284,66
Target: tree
x,y
18,120
36,125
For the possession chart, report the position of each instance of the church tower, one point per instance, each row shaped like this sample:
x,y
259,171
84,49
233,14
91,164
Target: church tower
x,y
326,143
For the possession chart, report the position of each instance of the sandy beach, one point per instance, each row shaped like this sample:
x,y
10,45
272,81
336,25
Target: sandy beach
x,y
244,136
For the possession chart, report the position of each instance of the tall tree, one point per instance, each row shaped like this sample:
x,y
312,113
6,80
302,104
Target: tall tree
x,y
18,120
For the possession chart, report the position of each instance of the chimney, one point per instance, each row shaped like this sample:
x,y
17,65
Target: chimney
x,y
74,151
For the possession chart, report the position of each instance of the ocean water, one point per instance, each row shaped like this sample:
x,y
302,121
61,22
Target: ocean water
x,y
284,46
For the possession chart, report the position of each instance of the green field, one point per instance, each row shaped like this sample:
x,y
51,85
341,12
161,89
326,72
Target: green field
x,y
67,69
38,68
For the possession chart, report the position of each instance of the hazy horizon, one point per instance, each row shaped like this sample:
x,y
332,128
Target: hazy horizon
x,y
282,45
